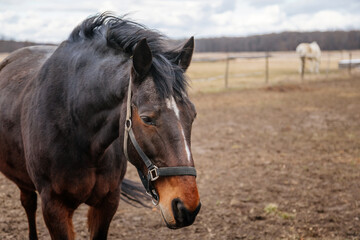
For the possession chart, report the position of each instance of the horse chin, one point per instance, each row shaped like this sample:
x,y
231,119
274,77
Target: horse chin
x,y
179,217
168,218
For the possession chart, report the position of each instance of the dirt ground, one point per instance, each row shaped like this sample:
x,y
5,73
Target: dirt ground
x,y
280,162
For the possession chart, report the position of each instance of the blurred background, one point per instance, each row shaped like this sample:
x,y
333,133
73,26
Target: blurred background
x,y
241,30
277,151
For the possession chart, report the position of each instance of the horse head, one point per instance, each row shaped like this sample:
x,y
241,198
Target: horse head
x,y
159,125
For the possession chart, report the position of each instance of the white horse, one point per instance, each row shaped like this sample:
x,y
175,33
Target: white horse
x,y
311,53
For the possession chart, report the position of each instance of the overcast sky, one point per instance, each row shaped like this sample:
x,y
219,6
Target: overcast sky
x,y
52,21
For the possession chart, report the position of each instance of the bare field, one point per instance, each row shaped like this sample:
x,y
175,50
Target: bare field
x,y
280,162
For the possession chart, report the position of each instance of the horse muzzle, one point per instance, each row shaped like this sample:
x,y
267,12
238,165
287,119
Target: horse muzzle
x,y
183,217
179,200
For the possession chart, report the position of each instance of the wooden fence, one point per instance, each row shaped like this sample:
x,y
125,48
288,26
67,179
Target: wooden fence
x,y
229,58
343,64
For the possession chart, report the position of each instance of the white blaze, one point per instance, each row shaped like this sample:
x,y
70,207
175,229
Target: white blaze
x,y
171,104
187,149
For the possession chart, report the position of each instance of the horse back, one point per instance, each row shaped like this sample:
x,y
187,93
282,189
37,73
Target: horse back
x,y
17,73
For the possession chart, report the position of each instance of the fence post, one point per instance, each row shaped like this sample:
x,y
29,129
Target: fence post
x,y
267,67
349,63
303,60
227,71
328,65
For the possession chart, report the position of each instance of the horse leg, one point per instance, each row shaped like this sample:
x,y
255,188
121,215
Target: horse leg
x,y
317,66
311,65
58,218
29,202
100,216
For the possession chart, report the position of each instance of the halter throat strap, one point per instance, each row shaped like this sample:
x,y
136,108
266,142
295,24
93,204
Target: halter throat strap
x,y
153,171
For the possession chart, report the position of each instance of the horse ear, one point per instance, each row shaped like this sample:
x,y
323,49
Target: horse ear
x,y
142,58
185,55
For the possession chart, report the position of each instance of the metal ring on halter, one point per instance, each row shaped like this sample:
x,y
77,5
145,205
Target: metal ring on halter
x,y
128,124
155,200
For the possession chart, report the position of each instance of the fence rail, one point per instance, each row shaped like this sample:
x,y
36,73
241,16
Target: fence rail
x,y
229,58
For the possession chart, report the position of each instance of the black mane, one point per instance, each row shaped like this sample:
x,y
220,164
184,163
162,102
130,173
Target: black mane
x,y
122,34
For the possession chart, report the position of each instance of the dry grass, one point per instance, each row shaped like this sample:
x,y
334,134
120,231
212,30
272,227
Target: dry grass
x,y
248,73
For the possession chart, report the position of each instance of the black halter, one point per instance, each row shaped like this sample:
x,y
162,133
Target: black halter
x,y
153,171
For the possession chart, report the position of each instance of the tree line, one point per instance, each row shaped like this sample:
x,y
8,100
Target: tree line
x,y
286,41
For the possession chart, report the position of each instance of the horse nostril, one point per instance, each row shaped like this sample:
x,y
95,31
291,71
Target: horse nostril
x,y
182,215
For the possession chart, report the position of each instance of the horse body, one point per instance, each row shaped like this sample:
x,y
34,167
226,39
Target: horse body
x,y
12,93
310,52
48,143
62,121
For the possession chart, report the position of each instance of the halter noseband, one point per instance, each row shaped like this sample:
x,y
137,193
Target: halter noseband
x,y
153,171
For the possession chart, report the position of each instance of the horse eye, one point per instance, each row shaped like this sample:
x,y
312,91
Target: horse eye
x,y
147,120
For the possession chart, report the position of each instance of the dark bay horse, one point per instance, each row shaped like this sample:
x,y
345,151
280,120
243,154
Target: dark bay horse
x,y
66,112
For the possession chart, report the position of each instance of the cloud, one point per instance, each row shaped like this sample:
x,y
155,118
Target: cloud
x,y
312,7
325,20
29,26
52,21
264,3
226,6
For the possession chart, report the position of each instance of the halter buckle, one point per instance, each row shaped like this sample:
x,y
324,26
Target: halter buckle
x,y
153,173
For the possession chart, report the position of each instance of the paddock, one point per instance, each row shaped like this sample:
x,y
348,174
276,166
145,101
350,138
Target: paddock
x,y
274,161
248,69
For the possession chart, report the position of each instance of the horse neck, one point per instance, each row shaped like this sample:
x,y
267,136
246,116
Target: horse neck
x,y
94,88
